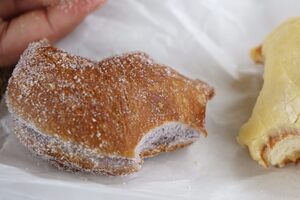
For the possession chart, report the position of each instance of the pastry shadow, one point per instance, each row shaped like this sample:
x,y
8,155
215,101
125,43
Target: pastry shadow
x,y
227,118
245,167
248,87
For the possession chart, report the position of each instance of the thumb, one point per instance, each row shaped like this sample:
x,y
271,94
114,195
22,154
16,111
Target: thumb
x,y
53,22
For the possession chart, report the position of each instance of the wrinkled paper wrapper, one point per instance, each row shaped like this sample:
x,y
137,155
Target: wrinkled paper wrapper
x,y
202,39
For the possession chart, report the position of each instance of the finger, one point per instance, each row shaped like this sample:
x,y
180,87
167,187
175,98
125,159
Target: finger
x,y
52,23
12,8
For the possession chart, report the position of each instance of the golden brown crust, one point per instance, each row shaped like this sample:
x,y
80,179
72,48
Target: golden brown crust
x,y
273,140
263,155
256,54
107,106
111,94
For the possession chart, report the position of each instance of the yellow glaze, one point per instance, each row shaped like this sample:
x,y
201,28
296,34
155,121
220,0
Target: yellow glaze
x,y
278,105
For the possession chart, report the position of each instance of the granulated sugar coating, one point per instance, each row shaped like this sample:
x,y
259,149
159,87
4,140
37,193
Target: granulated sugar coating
x,y
102,117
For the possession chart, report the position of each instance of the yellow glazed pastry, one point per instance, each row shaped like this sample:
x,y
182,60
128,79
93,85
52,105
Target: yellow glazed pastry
x,y
272,133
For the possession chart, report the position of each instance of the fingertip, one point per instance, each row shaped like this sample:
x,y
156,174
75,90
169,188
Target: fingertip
x,y
65,16
80,6
52,22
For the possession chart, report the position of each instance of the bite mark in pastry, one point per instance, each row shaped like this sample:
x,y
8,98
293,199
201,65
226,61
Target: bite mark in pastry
x,y
102,117
272,133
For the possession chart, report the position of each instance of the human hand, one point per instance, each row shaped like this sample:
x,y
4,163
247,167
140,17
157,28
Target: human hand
x,y
24,21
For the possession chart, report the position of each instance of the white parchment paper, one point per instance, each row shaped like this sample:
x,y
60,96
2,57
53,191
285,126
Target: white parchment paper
x,y
204,39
